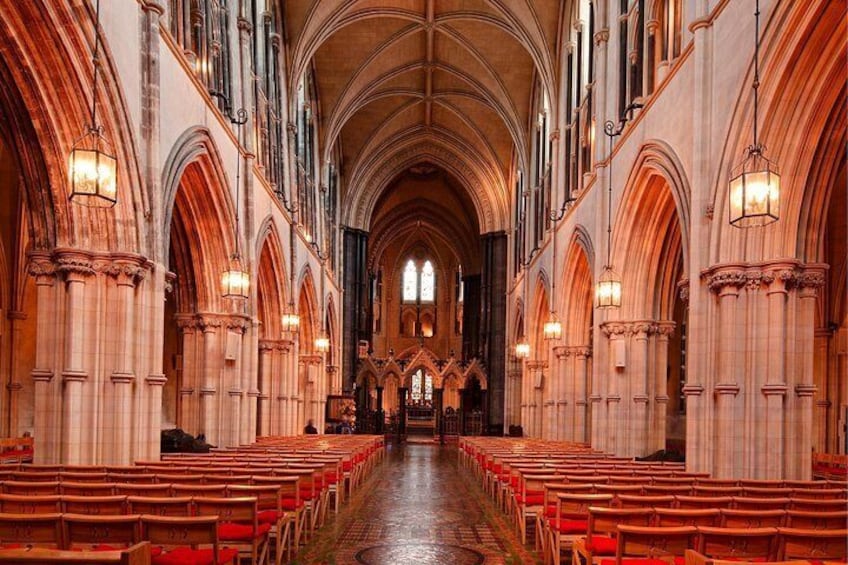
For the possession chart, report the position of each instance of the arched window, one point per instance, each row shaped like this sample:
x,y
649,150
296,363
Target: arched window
x,y
419,283
410,282
422,388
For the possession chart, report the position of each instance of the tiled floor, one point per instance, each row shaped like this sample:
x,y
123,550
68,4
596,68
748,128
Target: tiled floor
x,y
418,508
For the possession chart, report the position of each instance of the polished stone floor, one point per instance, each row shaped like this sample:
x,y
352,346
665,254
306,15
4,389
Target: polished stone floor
x,y
420,508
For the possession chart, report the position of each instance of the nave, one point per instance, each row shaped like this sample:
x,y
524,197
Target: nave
x,y
419,507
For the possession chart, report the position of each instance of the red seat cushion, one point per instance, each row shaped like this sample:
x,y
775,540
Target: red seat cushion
x,y
532,499
643,561
602,545
550,510
269,516
570,526
346,465
289,504
231,531
188,556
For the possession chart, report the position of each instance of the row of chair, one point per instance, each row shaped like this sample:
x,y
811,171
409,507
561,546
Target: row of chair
x,y
206,537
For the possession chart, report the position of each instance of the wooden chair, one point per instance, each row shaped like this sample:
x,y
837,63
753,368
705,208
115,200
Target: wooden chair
x,y
87,488
742,518
292,505
710,482
644,501
145,478
812,545
22,504
215,491
185,479
31,488
747,503
269,503
38,530
716,491
530,498
695,558
238,524
666,517
160,506
181,537
766,492
602,529
816,504
138,554
703,501
32,476
738,543
143,489
83,476
823,493
95,505
571,521
664,489
86,531
662,544
549,506
806,520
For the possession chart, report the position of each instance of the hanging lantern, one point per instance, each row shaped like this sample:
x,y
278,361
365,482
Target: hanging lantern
x,y
322,343
754,191
608,289
291,322
93,171
235,281
552,329
755,183
522,349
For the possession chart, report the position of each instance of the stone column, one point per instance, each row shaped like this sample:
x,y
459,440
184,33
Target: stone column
x,y
614,425
437,407
77,269
657,438
580,400
123,377
211,326
155,384
728,371
402,411
188,417
535,401
639,444
800,442
380,415
47,403
14,386
775,387
561,420
266,350
821,372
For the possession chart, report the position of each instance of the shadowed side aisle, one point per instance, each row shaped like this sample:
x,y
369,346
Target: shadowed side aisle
x,y
420,508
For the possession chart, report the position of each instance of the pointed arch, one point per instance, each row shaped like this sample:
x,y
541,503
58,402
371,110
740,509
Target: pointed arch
x,y
309,311
271,287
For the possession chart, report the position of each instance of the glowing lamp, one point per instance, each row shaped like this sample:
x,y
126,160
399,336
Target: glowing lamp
x,y
235,282
552,330
291,322
608,289
754,191
322,344
522,350
93,171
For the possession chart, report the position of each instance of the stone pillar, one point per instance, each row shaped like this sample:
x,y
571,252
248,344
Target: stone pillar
x,y
123,377
380,415
208,389
800,440
580,400
437,407
188,416
822,375
562,420
14,386
47,403
639,444
614,426
657,437
728,450
402,411
775,387
535,388
155,383
74,374
266,350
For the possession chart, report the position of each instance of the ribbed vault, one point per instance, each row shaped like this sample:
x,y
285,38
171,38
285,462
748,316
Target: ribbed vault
x,y
407,81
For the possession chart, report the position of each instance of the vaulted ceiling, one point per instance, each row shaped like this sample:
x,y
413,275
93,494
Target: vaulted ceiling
x,y
446,82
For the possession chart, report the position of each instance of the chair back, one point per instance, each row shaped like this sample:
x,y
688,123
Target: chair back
x,y
644,501
22,504
81,530
37,530
87,488
31,488
687,516
738,543
95,505
743,518
654,542
160,505
813,545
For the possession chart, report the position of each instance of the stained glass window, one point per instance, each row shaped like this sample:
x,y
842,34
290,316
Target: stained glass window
x,y
428,283
410,282
416,386
428,388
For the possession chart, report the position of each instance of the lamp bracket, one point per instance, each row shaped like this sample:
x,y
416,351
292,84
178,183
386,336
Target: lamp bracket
x,y
613,129
240,117
530,257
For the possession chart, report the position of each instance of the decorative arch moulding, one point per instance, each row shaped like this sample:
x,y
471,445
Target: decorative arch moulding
x,y
789,274
636,327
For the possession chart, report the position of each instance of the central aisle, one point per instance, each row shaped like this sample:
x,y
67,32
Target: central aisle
x,y
418,508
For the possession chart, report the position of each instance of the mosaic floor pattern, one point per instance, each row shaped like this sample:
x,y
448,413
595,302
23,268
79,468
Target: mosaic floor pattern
x,y
418,508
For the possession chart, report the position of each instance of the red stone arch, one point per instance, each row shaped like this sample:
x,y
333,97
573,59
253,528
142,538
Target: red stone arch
x,y
650,245
41,120
308,309
201,222
541,312
802,107
271,279
577,290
